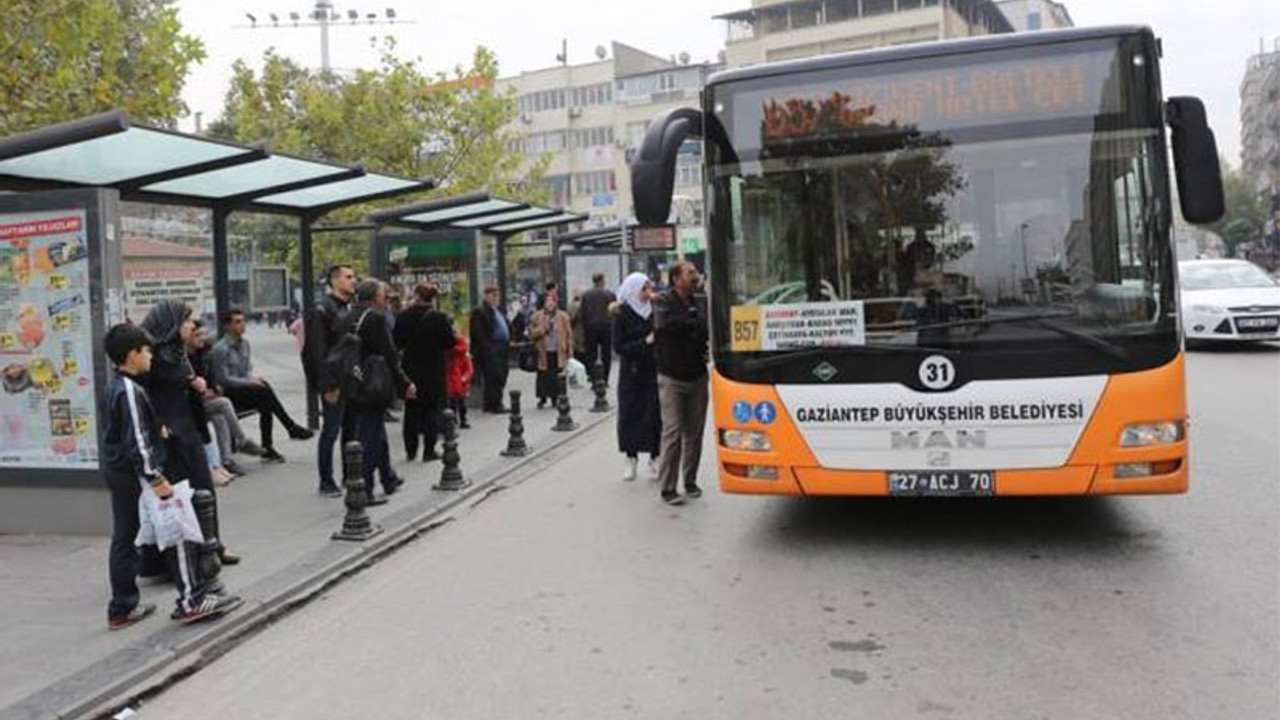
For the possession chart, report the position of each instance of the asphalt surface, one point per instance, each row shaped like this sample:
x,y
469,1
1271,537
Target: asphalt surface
x,y
573,594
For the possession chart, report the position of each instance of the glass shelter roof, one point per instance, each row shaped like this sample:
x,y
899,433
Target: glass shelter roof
x,y
157,165
475,211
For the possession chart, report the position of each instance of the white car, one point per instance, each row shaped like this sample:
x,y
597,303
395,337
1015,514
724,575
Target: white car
x,y
1232,300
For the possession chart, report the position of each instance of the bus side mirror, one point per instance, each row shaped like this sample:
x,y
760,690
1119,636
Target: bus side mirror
x,y
1195,159
653,170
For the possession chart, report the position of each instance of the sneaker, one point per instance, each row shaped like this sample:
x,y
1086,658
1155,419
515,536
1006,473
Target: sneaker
x,y
629,475
330,489
297,432
250,448
212,606
374,501
465,426
220,477
226,557
672,498
430,457
270,456
137,614
390,487
692,491
232,467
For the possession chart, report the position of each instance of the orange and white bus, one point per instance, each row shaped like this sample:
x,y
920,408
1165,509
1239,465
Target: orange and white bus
x,y
975,241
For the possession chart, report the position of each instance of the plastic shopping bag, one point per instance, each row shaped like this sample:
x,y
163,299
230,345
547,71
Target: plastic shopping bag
x,y
170,521
576,373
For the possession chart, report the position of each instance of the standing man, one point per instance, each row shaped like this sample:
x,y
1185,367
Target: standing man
x,y
369,320
598,325
231,364
680,351
321,333
490,336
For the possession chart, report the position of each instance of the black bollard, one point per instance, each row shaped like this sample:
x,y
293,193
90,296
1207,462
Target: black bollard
x,y
564,421
206,507
356,525
451,474
599,386
516,446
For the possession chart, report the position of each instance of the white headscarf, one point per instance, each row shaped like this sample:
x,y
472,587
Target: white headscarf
x,y
630,294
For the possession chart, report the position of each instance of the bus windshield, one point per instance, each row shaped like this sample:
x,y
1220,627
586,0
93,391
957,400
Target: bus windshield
x,y
978,203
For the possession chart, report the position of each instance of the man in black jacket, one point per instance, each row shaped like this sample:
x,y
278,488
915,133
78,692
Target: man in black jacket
x,y
598,325
369,320
490,337
322,334
680,351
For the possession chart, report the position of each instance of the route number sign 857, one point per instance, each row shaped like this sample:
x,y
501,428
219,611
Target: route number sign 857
x,y
744,328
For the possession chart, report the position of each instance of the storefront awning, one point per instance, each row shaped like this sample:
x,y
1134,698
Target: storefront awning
x,y
475,211
150,164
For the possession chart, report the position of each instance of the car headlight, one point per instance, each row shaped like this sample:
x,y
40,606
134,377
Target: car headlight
x,y
1147,434
1208,310
748,440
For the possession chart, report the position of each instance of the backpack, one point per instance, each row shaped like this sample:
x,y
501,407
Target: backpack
x,y
361,379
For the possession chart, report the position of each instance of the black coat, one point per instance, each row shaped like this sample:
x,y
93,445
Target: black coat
x,y
375,339
169,383
424,335
639,415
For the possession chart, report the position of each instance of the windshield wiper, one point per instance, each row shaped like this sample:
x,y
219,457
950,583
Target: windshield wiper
x,y
1042,320
785,357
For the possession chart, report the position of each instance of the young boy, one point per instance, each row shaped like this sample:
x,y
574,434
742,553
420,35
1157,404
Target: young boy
x,y
133,458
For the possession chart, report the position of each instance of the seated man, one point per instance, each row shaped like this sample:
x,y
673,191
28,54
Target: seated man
x,y
220,411
232,370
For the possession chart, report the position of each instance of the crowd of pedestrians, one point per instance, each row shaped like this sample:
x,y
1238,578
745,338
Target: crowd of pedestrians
x,y
175,401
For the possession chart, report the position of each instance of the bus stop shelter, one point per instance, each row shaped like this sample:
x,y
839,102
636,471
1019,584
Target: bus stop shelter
x,y
481,212
108,157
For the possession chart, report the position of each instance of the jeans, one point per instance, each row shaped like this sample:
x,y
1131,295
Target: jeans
x,y
226,426
373,442
337,422
684,416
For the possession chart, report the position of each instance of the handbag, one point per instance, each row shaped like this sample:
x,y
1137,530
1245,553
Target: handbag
x,y
528,358
371,383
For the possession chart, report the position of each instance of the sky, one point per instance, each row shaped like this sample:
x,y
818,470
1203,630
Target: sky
x,y
1207,42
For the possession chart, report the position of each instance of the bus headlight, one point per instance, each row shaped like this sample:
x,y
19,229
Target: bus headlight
x,y
746,440
1148,434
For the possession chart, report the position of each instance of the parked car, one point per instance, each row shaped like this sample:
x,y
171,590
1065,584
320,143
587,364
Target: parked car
x,y
1228,300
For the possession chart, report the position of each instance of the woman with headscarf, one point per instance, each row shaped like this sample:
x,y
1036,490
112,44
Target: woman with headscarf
x,y
552,337
639,415
424,334
176,392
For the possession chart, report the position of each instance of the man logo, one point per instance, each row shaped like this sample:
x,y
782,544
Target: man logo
x,y
939,459
938,440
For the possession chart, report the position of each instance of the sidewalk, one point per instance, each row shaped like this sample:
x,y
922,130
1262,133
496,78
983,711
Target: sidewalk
x,y
60,661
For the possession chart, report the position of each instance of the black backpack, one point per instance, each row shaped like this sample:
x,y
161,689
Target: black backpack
x,y
361,379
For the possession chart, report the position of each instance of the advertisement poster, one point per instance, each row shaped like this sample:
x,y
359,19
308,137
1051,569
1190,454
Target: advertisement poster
x,y
145,285
47,403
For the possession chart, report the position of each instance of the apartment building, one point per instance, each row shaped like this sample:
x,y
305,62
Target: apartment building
x,y
772,30
1026,15
591,117
1260,122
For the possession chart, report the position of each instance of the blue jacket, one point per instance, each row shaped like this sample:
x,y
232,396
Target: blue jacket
x,y
131,442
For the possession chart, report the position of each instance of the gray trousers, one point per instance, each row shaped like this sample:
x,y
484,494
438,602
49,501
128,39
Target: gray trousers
x,y
684,416
226,426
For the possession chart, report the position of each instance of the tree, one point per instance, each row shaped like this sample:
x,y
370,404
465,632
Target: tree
x,y
65,59
1246,215
448,126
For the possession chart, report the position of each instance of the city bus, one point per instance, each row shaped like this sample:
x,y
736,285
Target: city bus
x,y
973,242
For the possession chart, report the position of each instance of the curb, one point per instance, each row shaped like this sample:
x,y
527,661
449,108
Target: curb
x,y
169,655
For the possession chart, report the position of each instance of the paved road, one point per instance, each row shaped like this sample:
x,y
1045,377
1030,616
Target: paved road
x,y
574,595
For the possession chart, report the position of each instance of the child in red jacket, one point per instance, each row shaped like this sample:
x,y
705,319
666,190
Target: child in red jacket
x,y
458,379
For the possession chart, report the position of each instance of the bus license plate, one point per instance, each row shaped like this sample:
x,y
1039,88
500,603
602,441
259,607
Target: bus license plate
x,y
952,483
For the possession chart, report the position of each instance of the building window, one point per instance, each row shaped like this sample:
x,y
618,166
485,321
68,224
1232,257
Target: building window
x,y
1033,20
877,7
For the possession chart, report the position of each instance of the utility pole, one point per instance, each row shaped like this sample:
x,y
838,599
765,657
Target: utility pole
x,y
324,16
